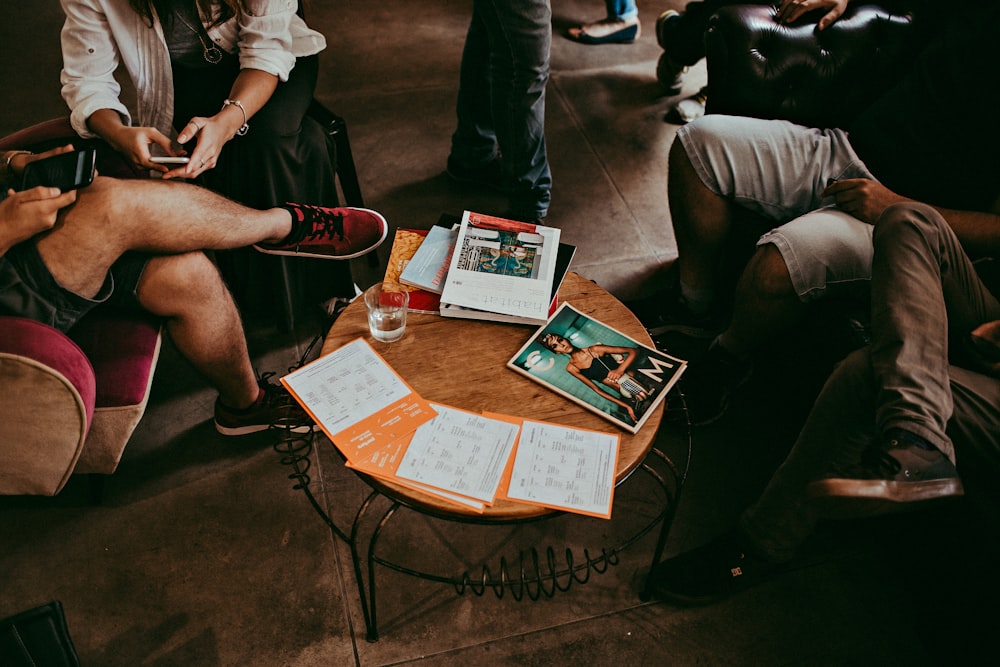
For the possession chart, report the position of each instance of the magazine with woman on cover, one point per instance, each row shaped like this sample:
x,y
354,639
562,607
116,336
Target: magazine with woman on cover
x,y
598,367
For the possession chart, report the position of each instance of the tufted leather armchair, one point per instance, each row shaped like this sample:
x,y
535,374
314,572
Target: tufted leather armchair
x,y
758,67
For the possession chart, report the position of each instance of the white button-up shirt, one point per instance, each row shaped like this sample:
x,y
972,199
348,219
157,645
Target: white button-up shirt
x,y
98,35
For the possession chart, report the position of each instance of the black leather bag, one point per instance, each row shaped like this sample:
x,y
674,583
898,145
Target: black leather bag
x,y
37,638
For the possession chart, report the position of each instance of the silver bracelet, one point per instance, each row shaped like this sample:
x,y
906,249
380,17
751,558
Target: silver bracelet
x,y
6,169
236,103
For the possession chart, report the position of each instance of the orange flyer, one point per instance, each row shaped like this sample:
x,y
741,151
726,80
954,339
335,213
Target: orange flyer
x,y
358,400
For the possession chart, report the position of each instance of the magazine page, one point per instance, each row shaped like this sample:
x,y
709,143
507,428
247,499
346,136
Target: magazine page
x,y
502,266
428,266
598,367
406,243
563,258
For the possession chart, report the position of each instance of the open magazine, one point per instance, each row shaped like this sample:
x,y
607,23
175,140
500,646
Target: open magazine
x,y
503,266
598,367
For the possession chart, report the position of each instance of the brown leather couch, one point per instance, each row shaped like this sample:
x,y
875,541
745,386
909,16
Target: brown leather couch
x,y
758,67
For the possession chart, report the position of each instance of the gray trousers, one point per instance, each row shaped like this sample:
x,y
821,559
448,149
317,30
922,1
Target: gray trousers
x,y
925,295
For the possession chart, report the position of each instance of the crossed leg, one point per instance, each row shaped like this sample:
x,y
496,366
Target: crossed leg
x,y
173,221
159,217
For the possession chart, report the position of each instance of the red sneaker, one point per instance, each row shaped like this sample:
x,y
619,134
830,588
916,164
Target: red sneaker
x,y
329,233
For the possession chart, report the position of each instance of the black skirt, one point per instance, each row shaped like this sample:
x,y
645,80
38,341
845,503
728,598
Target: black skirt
x,y
285,157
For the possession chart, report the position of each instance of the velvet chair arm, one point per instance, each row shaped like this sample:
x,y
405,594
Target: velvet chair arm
x,y
47,402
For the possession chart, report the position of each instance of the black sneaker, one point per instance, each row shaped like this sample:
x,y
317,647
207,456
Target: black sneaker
x,y
274,407
710,573
709,383
899,469
663,24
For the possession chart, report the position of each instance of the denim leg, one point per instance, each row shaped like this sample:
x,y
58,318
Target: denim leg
x,y
925,292
474,142
507,71
621,10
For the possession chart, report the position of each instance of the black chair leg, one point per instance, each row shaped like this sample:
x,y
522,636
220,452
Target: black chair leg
x,y
287,295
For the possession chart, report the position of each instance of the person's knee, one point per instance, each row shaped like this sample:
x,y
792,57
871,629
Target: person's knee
x,y
105,199
174,284
907,217
768,274
105,187
684,185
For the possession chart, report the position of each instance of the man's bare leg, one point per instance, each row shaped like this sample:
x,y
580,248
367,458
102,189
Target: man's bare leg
x,y
113,216
202,321
765,303
702,222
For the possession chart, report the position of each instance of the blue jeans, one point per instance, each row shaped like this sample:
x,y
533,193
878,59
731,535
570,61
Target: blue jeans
x,y
501,99
925,294
621,10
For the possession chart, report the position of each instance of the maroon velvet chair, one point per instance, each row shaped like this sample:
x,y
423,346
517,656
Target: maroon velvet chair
x,y
70,402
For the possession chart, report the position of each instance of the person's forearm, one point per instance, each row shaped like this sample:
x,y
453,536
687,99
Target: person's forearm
x,y
252,89
106,123
978,232
630,356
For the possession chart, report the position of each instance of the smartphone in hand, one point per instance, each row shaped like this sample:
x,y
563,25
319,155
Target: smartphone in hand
x,y
166,159
66,171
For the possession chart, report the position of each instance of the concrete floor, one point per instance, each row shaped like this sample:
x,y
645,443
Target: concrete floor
x,y
204,553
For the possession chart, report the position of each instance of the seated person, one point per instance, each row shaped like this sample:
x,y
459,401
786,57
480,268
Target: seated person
x,y
820,191
138,243
892,421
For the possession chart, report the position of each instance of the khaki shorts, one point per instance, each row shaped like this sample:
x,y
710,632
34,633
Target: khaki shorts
x,y
778,169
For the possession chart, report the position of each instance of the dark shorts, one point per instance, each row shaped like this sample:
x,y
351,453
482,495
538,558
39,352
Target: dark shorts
x,y
27,289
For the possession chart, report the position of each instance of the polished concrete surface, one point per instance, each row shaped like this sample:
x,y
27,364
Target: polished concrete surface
x,y
204,552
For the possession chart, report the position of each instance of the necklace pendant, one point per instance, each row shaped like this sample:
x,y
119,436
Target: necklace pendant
x,y
213,55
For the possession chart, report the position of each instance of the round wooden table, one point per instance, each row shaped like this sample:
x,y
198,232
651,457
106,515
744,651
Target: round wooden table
x,y
463,363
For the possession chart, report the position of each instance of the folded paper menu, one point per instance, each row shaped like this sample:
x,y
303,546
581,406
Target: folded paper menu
x,y
384,429
564,468
358,400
